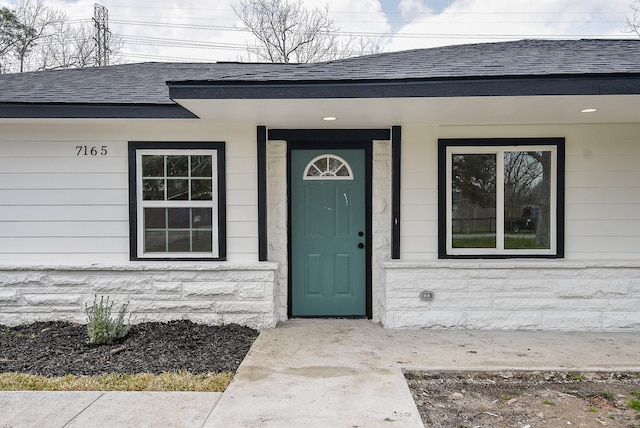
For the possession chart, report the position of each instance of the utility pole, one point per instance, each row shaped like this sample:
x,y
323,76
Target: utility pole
x,y
102,33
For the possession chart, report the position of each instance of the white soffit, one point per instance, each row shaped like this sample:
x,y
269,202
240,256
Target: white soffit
x,y
374,112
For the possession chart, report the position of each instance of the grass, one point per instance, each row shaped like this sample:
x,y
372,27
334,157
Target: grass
x,y
177,381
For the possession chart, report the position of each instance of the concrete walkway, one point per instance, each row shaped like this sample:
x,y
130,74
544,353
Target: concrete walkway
x,y
326,373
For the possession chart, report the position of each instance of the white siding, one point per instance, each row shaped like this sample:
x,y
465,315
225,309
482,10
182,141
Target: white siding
x,y
57,207
602,192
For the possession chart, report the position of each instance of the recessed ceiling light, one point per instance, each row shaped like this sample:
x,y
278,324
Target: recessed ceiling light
x,y
588,110
329,118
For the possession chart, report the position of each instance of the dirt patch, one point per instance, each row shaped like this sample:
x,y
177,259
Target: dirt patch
x,y
59,348
525,399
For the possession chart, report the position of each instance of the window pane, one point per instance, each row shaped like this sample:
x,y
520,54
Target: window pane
x,y
153,166
154,218
202,240
178,241
201,166
153,189
334,164
201,218
178,190
177,166
155,242
322,165
178,218
473,201
527,196
201,190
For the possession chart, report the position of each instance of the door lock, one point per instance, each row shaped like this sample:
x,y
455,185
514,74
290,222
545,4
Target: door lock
x,y
361,245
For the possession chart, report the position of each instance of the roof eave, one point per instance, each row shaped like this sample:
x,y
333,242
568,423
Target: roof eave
x,y
584,84
17,110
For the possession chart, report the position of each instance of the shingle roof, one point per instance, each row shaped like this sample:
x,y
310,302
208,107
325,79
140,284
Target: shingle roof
x,y
146,83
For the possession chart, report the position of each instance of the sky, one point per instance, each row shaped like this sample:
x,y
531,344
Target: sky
x,y
190,30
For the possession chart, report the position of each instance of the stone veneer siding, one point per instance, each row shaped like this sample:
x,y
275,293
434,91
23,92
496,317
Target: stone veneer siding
x,y
213,293
514,295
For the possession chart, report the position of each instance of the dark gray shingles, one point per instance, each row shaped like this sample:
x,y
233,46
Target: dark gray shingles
x,y
146,83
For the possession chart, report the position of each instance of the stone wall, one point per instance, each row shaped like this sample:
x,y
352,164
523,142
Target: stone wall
x,y
514,295
206,293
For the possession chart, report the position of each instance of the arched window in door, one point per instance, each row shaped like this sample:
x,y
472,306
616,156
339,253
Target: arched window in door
x,y
327,167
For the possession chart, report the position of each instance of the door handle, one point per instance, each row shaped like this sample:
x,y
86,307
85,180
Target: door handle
x,y
360,245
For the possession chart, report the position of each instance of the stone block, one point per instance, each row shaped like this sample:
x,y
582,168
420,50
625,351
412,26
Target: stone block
x,y
428,319
253,291
589,288
52,300
169,306
572,321
9,296
173,287
443,300
244,307
524,301
624,305
504,320
134,284
208,289
67,280
621,321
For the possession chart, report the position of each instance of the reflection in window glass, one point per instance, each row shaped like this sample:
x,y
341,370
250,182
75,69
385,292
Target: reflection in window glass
x,y
527,198
473,201
176,203
178,230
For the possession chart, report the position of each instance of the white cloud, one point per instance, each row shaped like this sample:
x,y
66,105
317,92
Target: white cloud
x,y
411,8
472,21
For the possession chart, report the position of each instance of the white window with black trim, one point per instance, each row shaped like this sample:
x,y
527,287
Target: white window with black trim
x,y
177,200
501,198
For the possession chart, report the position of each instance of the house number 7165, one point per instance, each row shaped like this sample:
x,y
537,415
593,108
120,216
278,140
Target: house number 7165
x,y
91,151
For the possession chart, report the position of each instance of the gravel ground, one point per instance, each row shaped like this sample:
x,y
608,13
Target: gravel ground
x,y
59,348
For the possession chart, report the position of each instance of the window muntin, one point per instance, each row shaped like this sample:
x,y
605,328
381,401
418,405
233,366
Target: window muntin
x,y
177,203
501,200
327,167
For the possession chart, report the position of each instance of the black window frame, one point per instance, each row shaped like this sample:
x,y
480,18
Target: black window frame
x,y
445,143
220,173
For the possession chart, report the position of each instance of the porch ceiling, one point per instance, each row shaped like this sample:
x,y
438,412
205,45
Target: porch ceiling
x,y
449,111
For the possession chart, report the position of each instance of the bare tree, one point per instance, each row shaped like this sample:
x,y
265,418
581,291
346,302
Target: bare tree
x,y
288,32
43,39
39,19
633,23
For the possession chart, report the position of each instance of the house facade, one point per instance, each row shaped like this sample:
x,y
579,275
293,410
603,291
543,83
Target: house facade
x,y
488,186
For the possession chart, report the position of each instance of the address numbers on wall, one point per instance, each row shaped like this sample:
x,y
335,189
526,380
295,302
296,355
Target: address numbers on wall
x,y
92,150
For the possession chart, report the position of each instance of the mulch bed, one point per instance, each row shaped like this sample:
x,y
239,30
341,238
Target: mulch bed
x,y
59,348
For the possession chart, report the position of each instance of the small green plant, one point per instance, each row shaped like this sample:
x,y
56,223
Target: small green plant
x,y
593,409
576,376
102,329
6,330
636,394
635,404
549,402
608,395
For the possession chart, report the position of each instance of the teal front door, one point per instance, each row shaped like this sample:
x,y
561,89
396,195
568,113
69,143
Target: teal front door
x,y
328,221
